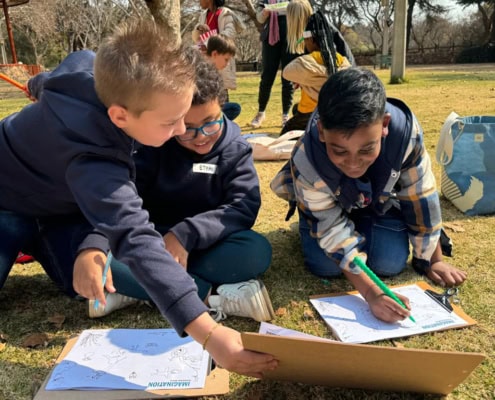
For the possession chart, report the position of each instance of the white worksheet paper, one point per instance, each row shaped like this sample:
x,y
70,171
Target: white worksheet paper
x,y
137,359
351,320
271,329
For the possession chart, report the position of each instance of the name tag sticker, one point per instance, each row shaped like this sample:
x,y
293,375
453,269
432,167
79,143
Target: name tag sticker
x,y
205,168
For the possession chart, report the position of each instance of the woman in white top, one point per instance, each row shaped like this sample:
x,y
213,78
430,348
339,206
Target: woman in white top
x,y
222,19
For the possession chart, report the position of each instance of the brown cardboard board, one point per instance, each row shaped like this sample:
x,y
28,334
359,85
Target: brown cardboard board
x,y
423,285
217,382
363,366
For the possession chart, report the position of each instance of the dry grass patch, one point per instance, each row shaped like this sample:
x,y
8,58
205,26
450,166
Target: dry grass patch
x,y
29,300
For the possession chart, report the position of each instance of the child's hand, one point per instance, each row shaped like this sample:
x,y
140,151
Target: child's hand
x,y
203,28
88,275
445,274
387,309
266,13
30,96
175,248
225,346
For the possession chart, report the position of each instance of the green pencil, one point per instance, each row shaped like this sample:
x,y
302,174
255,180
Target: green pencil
x,y
361,264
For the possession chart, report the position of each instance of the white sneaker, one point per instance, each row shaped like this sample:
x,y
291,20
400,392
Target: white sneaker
x,y
115,301
244,299
258,120
285,118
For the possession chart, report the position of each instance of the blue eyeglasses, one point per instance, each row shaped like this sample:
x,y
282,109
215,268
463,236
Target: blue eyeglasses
x,y
208,129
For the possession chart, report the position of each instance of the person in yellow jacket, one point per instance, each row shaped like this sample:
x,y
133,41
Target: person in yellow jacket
x,y
311,71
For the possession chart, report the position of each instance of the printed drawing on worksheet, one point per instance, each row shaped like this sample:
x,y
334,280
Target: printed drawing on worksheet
x,y
351,319
138,359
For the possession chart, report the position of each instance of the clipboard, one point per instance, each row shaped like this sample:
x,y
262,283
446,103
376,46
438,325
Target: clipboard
x,y
360,366
217,382
353,318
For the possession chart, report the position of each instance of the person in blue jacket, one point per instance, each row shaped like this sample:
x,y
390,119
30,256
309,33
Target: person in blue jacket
x,y
202,192
362,183
72,150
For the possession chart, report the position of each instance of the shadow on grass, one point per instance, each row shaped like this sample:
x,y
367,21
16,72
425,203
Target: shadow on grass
x,y
26,302
458,76
34,305
14,384
278,390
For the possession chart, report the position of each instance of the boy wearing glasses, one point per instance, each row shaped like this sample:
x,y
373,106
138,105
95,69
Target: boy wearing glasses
x,y
73,150
202,192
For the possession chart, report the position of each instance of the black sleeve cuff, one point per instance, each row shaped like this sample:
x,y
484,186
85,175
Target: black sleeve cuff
x,y
420,266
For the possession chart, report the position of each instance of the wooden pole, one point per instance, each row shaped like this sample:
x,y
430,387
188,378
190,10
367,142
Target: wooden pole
x,y
9,31
399,42
385,30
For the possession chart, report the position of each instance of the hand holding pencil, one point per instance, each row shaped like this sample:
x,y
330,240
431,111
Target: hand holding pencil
x,y
402,301
88,275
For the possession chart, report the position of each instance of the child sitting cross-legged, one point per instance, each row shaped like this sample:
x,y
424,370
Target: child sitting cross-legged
x,y
220,50
202,192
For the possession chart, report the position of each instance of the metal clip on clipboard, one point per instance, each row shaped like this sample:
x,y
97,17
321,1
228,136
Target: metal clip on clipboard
x,y
444,298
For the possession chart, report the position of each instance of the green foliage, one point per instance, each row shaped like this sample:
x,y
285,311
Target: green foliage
x,y
29,299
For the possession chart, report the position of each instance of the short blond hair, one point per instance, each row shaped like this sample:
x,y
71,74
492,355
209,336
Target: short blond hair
x,y
298,12
138,60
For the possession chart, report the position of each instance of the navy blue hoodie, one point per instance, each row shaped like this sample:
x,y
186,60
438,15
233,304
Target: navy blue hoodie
x,y
200,198
62,154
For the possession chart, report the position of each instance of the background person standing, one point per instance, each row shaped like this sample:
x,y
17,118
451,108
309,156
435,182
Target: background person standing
x,y
274,52
222,19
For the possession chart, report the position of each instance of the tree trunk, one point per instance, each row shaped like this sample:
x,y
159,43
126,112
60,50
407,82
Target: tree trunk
x,y
251,12
167,14
491,40
410,10
487,23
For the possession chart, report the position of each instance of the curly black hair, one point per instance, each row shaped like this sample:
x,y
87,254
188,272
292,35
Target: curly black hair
x,y
209,84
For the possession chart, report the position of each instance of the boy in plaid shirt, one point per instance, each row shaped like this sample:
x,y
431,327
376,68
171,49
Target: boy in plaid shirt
x,y
362,182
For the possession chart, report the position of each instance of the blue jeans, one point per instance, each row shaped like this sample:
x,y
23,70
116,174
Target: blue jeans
x,y
56,248
239,257
231,110
16,232
52,242
387,244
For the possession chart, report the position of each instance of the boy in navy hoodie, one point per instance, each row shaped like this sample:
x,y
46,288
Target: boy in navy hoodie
x,y
73,148
362,182
202,192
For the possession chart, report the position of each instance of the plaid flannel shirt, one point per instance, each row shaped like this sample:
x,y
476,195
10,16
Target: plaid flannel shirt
x,y
330,224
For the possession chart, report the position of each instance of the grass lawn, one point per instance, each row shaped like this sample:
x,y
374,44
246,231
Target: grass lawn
x,y
29,302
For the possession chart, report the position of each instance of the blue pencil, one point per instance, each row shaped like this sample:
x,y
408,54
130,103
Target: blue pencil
x,y
104,279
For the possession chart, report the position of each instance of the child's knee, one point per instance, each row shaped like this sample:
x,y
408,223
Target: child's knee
x,y
257,249
325,269
389,266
